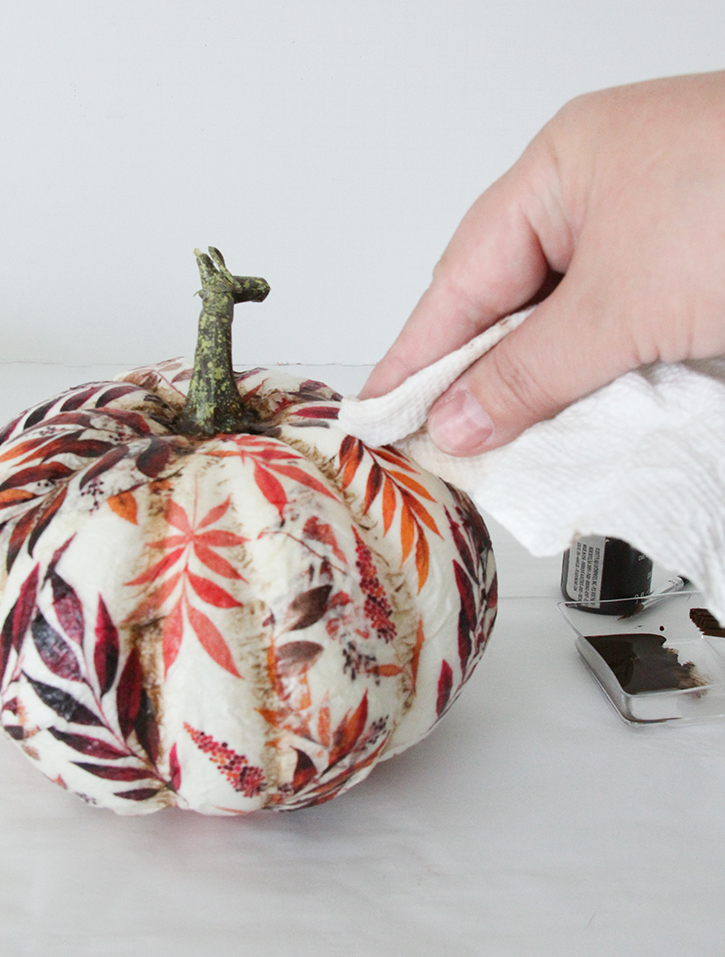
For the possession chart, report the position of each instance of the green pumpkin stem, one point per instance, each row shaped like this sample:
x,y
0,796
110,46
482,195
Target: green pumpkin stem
x,y
213,404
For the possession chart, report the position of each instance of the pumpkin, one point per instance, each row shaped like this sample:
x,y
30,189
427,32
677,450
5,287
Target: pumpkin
x,y
213,598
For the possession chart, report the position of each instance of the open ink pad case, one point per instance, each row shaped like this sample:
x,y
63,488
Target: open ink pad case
x,y
661,662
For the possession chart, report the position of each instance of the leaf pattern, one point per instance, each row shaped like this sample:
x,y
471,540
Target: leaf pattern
x,y
397,487
106,650
55,653
173,583
79,667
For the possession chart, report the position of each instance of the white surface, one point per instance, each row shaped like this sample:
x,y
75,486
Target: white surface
x,y
331,147
532,822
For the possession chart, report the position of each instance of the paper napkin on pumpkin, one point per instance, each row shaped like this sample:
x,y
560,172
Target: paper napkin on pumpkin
x,y
642,459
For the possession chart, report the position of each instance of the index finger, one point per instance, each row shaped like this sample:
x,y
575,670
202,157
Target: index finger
x,y
494,265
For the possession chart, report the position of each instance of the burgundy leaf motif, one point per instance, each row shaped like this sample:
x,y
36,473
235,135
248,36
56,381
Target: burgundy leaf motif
x,y
137,794
18,619
64,704
296,656
103,464
154,458
445,686
46,515
147,729
308,607
106,651
93,747
175,768
128,693
55,652
67,607
113,772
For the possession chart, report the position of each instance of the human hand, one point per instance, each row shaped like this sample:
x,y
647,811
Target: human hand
x,y
622,193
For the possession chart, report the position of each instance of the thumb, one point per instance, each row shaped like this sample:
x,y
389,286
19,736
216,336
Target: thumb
x,y
562,352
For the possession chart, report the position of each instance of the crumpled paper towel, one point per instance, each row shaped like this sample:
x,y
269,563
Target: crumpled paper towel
x,y
642,459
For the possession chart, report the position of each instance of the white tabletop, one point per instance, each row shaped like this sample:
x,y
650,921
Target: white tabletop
x,y
532,822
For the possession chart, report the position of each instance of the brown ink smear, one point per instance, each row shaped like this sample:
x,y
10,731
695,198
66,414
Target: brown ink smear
x,y
706,622
641,663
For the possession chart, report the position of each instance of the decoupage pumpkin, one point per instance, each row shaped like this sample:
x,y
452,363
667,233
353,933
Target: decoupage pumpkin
x,y
214,598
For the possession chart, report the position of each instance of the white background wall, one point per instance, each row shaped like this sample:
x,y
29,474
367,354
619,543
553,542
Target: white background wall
x,y
329,145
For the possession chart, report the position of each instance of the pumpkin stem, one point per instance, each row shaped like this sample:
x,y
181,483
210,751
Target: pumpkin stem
x,y
213,404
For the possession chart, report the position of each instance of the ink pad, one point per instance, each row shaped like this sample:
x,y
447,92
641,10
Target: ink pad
x,y
654,663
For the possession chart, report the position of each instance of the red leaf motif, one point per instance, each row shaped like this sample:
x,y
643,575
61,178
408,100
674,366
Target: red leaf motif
x,y
210,593
128,693
304,478
157,570
67,607
218,538
270,487
174,768
214,514
348,731
151,606
215,562
93,747
173,631
211,639
176,516
322,532
55,653
445,686
305,771
106,651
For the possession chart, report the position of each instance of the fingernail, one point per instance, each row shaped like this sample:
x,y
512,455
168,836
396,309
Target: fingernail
x,y
460,425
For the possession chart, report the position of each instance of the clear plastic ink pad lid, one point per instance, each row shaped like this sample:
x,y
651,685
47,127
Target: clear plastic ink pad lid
x,y
662,660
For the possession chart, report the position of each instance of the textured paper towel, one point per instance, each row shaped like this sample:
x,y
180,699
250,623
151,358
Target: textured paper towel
x,y
641,459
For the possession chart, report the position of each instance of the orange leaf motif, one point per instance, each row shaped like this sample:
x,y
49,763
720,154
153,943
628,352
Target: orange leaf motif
x,y
348,731
422,560
124,504
407,530
413,485
388,504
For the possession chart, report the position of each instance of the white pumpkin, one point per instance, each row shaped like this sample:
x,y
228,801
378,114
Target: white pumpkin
x,y
232,620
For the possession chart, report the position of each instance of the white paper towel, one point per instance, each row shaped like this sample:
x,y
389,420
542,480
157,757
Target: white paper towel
x,y
641,459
